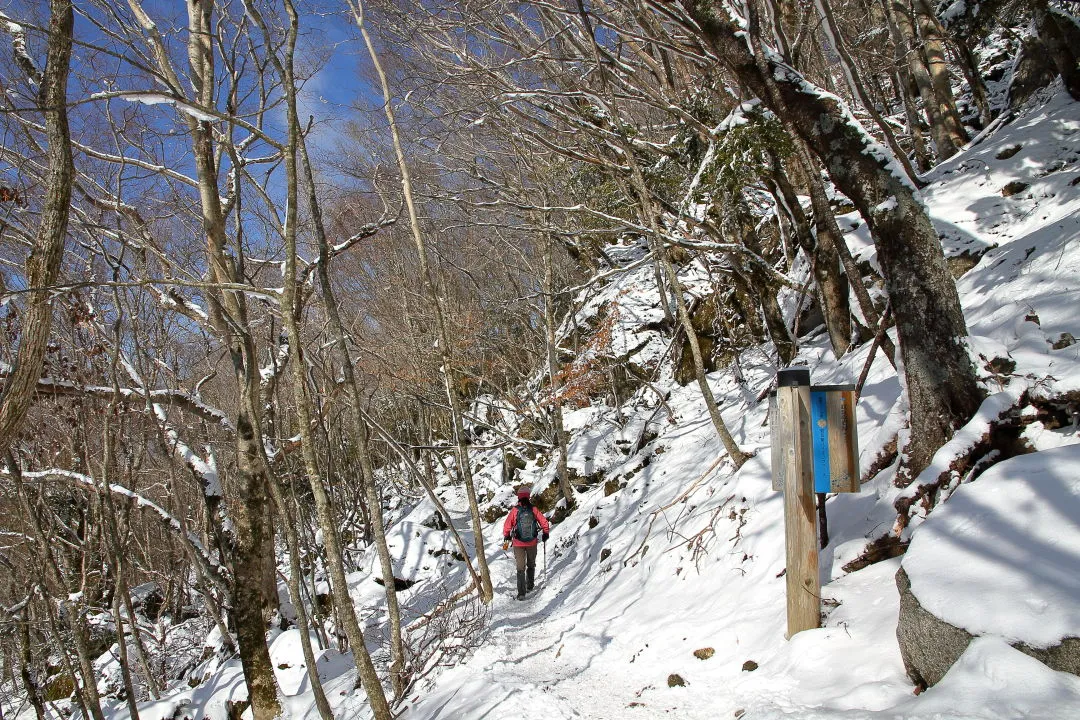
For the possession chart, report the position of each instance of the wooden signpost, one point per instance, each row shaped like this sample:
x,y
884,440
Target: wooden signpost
x,y
814,449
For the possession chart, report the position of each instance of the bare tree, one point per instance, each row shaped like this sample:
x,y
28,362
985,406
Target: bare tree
x,y
291,307
447,369
940,378
43,263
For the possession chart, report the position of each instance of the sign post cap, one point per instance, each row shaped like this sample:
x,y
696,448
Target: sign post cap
x,y
790,377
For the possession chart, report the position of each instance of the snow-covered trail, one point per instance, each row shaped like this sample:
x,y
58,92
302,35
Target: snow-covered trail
x,y
666,598
618,620
548,657
593,650
671,568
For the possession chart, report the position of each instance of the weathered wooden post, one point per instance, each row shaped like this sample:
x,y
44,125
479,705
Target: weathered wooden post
x,y
793,472
814,449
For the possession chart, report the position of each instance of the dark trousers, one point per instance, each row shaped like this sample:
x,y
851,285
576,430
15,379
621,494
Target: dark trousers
x,y
525,557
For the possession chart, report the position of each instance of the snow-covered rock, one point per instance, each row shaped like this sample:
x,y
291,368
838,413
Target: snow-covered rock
x,y
998,559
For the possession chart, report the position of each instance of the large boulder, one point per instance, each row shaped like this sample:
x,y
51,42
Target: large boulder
x,y
928,644
998,559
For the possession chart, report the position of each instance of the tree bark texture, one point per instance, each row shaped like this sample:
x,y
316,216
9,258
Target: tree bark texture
x,y
905,84
937,114
941,81
965,58
940,378
43,264
247,493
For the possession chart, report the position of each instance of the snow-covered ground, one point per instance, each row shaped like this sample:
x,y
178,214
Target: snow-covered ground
x,y
666,597
693,554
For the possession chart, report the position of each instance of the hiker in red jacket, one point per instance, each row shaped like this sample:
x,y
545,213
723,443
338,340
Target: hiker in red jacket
x,y
525,526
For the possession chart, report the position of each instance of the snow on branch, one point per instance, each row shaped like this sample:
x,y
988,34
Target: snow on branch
x,y
20,50
199,554
268,373
196,112
176,398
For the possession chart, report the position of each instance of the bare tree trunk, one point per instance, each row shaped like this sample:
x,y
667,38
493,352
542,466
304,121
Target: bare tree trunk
x,y
858,87
940,80
486,590
113,534
125,665
26,664
361,433
111,539
825,264
426,479
362,438
904,84
900,12
302,625
662,290
969,64
71,611
763,284
553,370
43,264
78,678
290,310
738,457
941,383
248,494
905,81
152,686
825,224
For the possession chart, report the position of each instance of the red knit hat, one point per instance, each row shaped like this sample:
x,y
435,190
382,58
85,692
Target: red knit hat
x,y
524,491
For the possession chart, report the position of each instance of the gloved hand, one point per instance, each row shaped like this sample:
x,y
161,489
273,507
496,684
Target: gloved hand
x,y
545,537
506,545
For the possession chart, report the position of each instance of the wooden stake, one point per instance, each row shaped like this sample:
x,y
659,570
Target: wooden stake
x,y
800,516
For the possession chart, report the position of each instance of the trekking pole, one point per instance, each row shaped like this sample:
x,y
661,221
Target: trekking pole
x,y
545,563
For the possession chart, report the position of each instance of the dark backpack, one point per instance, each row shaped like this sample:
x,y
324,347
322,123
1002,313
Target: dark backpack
x,y
526,527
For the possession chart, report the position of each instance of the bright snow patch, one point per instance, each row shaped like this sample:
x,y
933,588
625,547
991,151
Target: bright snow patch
x,y
1000,558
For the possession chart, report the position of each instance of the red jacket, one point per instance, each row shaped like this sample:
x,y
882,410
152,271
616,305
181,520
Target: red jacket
x,y
511,523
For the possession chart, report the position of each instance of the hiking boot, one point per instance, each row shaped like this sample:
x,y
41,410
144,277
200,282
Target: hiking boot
x,y
529,578
521,586
521,596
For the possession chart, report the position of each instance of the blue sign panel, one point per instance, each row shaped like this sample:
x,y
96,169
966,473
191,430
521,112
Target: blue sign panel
x,y
819,435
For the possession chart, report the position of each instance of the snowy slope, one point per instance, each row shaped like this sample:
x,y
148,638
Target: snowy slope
x,y
696,551
687,555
